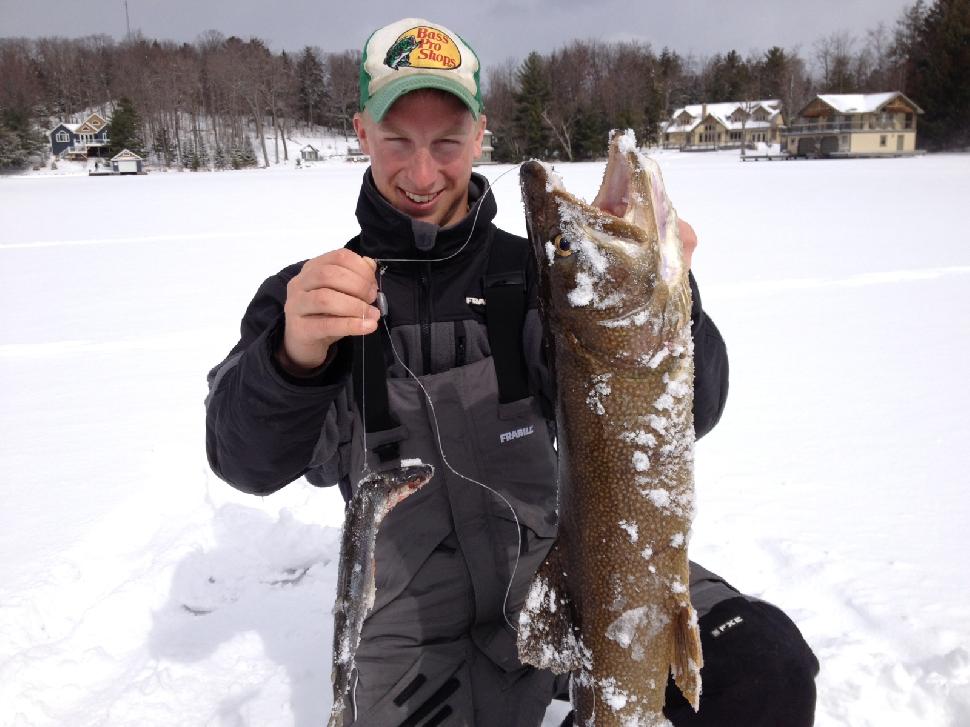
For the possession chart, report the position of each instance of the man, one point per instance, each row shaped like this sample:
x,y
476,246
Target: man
x,y
315,387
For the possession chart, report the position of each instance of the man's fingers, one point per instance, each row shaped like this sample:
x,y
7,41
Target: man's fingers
x,y
337,278
341,270
337,327
330,302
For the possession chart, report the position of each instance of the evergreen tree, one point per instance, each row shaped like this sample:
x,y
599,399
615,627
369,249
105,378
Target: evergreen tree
x,y
670,73
311,85
220,159
773,73
904,49
730,78
531,101
241,153
194,155
125,129
592,130
653,115
189,160
20,142
941,83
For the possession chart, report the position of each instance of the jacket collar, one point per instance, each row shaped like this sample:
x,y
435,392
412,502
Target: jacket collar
x,y
386,232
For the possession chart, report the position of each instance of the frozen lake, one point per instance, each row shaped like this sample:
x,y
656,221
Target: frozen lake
x,y
138,589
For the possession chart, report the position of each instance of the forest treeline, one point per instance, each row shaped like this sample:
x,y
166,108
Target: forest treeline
x,y
201,104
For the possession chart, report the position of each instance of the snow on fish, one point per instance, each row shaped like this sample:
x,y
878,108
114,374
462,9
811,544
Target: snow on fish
x,y
610,604
376,495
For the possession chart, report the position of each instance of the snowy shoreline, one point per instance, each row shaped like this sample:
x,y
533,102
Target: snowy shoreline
x,y
136,588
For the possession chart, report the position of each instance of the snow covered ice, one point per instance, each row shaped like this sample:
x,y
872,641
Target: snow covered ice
x,y
138,589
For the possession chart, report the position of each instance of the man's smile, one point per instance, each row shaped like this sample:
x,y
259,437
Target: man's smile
x,y
420,198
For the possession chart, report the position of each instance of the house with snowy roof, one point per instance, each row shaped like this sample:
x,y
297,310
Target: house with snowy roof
x,y
488,147
724,125
80,141
310,153
853,125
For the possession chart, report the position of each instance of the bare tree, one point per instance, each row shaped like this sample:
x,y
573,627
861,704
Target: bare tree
x,y
344,76
834,56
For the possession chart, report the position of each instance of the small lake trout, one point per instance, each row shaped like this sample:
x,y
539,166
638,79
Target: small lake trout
x,y
611,603
376,495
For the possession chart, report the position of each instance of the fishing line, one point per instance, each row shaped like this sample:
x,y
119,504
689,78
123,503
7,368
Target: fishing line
x,y
363,398
481,202
441,450
434,417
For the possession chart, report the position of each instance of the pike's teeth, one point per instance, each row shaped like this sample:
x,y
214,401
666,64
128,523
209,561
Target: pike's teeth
x,y
420,198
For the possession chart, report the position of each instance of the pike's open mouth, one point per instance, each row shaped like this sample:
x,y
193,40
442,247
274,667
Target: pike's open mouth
x,y
615,195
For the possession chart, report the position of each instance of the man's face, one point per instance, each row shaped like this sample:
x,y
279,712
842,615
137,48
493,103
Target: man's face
x,y
421,154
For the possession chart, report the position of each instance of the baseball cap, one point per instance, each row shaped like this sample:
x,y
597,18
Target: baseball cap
x,y
414,53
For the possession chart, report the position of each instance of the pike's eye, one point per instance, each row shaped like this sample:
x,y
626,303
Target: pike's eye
x,y
563,248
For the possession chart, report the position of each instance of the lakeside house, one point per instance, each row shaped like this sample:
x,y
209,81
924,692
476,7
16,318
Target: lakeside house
x,y
79,142
725,125
488,147
127,162
310,153
854,125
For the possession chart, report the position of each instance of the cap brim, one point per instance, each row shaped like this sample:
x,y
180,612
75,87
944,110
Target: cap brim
x,y
378,104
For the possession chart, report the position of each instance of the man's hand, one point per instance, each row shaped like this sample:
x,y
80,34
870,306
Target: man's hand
x,y
688,240
329,299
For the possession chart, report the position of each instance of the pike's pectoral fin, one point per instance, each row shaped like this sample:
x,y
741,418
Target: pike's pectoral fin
x,y
547,635
687,659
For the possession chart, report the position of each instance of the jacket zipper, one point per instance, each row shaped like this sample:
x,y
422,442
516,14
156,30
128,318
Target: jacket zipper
x,y
459,343
424,298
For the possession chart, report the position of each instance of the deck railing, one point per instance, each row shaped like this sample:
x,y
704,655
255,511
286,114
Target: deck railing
x,y
843,126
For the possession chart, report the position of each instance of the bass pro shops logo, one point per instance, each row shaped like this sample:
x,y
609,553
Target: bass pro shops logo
x,y
423,47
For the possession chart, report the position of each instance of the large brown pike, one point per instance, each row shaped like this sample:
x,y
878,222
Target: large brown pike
x,y
611,603
377,494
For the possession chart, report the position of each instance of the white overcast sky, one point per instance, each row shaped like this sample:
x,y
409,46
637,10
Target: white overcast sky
x,y
497,29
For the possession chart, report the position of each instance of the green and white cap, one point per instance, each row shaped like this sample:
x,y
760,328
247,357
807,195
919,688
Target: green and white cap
x,y
414,53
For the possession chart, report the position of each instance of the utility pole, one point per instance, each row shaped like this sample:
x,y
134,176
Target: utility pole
x,y
127,21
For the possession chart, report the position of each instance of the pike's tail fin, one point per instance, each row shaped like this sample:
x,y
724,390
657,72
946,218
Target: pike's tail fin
x,y
687,657
547,636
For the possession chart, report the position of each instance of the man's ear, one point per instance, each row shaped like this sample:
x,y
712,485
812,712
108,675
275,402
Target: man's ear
x,y
360,126
480,134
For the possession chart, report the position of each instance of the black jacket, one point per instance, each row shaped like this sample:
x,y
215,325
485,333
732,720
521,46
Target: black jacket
x,y
265,428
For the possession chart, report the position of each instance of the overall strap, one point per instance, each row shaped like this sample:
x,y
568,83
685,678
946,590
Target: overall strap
x,y
370,389
505,308
370,380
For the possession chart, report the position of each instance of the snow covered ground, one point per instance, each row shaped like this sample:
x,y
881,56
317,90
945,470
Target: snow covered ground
x,y
138,589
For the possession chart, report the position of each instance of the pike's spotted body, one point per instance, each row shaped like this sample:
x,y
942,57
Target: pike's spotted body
x,y
612,603
376,495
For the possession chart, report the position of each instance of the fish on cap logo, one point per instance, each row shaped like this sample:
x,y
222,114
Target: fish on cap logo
x,y
423,47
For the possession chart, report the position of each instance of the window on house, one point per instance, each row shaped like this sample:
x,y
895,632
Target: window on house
x,y
62,137
882,140
909,122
